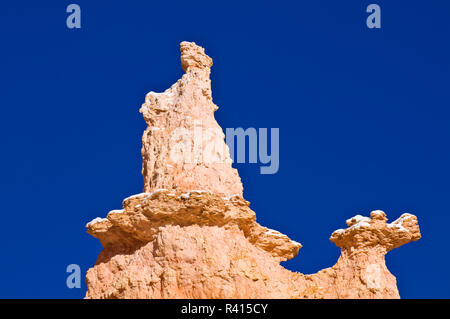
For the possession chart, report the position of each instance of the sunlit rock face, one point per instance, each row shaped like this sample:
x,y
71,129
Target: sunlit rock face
x,y
191,234
183,147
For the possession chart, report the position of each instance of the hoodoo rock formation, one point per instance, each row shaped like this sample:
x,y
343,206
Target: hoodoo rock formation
x,y
191,234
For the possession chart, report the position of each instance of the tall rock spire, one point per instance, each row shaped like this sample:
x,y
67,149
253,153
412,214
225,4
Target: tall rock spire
x,y
183,147
191,234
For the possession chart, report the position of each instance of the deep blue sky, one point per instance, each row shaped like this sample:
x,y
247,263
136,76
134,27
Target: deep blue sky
x,y
363,115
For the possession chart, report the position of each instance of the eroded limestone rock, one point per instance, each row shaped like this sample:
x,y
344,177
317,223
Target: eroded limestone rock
x,y
191,234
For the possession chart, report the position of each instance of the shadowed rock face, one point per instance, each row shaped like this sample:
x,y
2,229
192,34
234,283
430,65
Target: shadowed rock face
x,y
191,234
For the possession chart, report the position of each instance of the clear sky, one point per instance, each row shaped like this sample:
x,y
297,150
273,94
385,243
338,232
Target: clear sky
x,y
363,117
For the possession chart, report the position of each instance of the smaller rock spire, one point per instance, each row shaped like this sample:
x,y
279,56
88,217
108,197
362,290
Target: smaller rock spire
x,y
365,233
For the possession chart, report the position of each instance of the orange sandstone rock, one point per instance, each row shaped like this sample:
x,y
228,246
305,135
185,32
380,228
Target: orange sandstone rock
x,y
183,147
191,234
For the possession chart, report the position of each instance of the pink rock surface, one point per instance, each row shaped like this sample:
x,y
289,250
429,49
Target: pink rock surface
x,y
183,147
191,234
